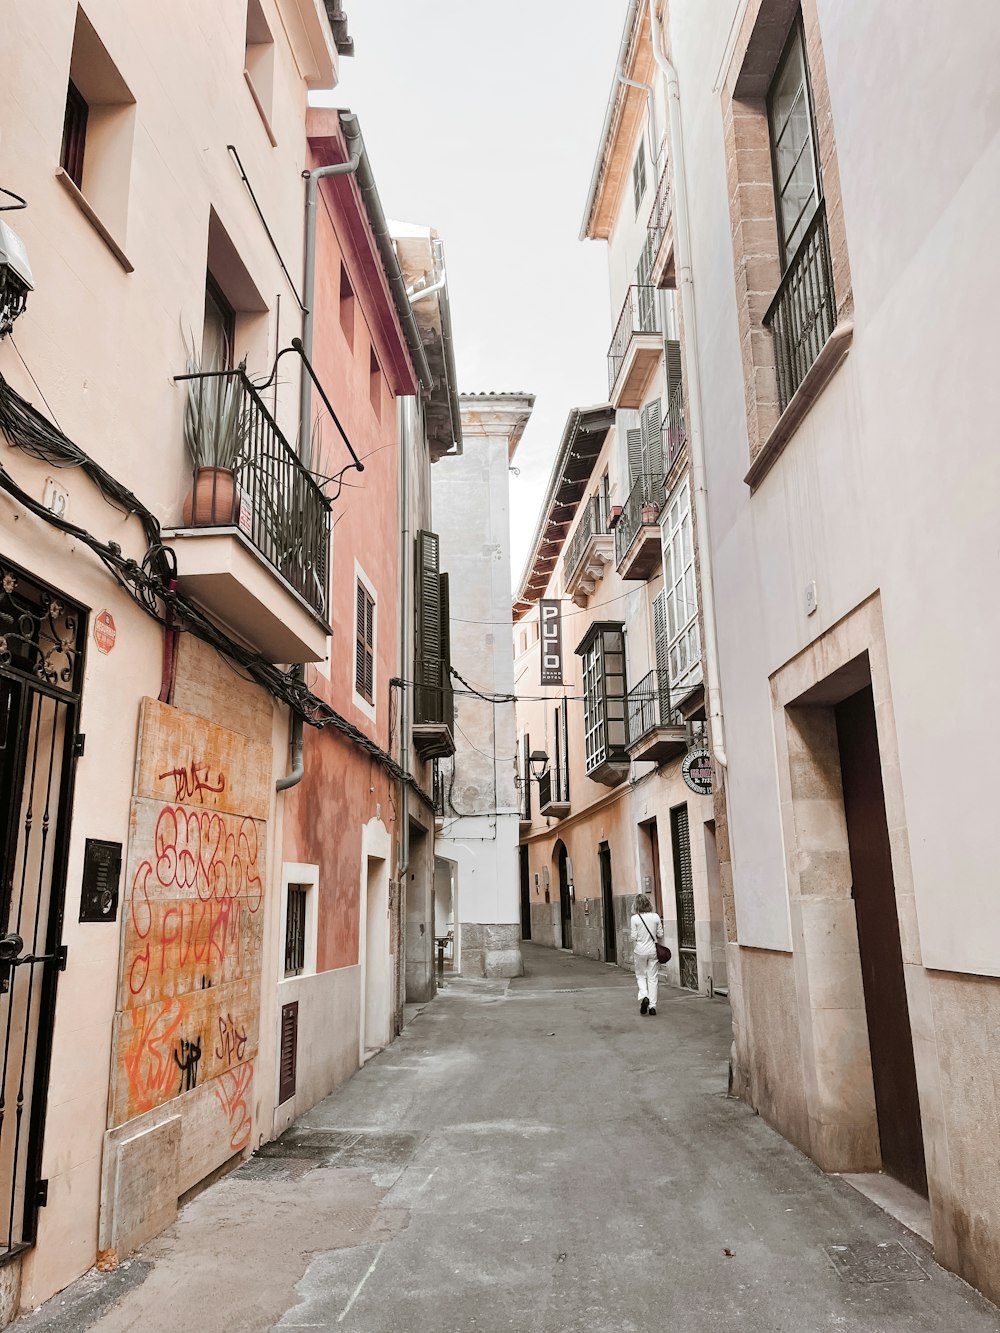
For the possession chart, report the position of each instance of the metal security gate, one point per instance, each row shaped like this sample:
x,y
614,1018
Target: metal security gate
x,y
687,950
41,672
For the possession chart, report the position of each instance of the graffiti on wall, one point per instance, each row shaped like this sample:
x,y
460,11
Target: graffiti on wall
x,y
189,985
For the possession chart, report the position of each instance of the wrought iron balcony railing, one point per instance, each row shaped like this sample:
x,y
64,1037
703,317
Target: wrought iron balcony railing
x,y
674,427
263,490
804,311
553,789
640,314
645,500
593,523
647,707
659,216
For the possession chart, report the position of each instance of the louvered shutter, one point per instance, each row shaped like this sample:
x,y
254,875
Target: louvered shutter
x,y
675,399
447,693
288,1056
652,442
427,695
364,648
369,690
633,439
661,650
683,879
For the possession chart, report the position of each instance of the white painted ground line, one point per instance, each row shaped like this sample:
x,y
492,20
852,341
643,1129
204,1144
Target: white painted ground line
x,y
358,1289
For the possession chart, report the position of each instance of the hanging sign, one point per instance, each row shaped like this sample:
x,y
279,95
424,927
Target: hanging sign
x,y
105,631
697,771
550,620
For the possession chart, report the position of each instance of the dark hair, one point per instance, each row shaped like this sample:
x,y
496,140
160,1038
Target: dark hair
x,y
642,903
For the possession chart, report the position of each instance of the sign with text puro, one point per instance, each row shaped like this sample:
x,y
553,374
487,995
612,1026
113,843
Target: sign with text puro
x,y
550,621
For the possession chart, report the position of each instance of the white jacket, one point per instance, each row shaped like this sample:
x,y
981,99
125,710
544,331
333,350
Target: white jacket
x,y
642,942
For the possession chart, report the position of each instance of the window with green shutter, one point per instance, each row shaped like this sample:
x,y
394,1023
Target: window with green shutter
x,y
364,644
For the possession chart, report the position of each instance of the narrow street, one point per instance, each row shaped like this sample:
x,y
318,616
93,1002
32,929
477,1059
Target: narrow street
x,y
532,1155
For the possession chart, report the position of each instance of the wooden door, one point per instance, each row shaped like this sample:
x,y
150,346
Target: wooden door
x,y
874,895
608,905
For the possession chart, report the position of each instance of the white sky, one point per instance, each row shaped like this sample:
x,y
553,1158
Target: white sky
x,y
482,118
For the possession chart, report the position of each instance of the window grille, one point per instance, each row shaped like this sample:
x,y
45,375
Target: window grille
x,y
295,930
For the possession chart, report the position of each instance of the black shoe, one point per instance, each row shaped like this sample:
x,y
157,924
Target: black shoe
x,y
652,1011
644,1005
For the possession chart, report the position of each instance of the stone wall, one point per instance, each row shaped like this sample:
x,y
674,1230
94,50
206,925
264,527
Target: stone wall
x,y
491,950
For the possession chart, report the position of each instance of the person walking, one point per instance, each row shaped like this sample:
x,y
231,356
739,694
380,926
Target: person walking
x,y
647,928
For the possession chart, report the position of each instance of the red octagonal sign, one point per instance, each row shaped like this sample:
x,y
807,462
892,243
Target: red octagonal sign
x,y
105,631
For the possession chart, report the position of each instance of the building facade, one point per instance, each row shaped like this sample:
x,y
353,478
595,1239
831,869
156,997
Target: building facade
x,y
842,426
203,928
477,842
614,557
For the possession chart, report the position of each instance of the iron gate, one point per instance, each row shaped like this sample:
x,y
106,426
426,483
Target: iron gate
x,y
687,950
41,673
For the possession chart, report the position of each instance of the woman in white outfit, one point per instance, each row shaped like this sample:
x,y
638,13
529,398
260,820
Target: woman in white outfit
x,y
647,928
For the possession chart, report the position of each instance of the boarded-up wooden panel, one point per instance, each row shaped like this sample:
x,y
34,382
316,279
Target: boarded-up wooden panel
x,y
187,1025
185,760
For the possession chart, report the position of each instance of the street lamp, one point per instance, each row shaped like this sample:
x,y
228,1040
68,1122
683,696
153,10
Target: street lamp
x,y
538,762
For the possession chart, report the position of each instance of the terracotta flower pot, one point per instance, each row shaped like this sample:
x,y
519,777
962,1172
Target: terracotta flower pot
x,y
214,501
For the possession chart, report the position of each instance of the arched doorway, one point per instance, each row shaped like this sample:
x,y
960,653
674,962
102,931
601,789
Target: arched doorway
x,y
565,897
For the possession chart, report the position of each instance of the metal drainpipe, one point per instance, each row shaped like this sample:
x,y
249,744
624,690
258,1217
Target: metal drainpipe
x,y
646,88
404,622
313,179
696,437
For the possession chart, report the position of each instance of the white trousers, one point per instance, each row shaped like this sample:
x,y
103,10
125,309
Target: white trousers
x,y
647,975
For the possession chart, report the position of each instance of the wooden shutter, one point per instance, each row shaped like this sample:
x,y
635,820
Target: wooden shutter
x,y
661,637
447,693
564,708
289,1051
633,439
427,695
683,881
672,357
364,653
652,441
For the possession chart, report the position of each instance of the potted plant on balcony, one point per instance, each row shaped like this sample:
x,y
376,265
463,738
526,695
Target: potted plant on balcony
x,y
650,512
215,427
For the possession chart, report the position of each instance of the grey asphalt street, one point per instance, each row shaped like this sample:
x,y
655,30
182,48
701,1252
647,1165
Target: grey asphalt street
x,y
533,1156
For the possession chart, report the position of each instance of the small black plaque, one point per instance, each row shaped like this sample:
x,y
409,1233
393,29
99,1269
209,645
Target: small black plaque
x,y
102,868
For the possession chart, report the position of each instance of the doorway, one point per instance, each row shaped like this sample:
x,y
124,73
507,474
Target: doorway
x,y
40,682
649,864
893,1072
378,961
522,853
687,944
565,898
608,904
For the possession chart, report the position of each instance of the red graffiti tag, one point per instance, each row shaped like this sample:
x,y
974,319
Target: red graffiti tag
x,y
191,781
232,1092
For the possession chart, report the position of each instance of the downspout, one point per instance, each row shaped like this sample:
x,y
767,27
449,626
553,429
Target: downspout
x,y
293,778
696,436
312,179
404,642
646,88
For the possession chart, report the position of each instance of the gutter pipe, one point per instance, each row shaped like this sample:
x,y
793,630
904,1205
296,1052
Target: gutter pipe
x,y
608,117
696,435
313,179
294,777
380,228
404,642
448,347
646,88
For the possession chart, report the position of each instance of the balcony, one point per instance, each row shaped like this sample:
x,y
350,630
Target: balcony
x,y
656,731
636,348
253,548
589,552
804,310
553,795
661,233
637,532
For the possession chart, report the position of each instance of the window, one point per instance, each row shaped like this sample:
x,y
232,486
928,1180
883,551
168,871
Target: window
x,y
647,296
295,930
74,135
258,64
364,653
604,502
375,383
639,176
675,609
559,761
346,307
645,450
433,697
791,127
604,690
98,129
219,333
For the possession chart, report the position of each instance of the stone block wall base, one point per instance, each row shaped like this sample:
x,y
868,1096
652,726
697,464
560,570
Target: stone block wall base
x,y
491,950
10,1292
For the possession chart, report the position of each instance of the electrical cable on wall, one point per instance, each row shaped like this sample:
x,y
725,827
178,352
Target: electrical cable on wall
x,y
147,582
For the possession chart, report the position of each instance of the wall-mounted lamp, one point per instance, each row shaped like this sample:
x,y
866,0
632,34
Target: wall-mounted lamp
x,y
538,762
